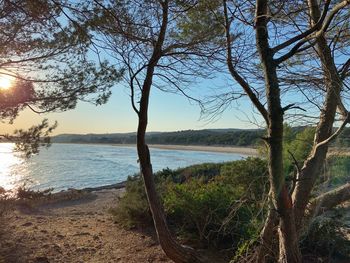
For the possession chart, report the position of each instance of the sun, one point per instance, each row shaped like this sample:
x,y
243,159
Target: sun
x,y
5,82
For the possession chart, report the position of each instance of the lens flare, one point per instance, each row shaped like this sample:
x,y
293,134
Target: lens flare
x,y
5,82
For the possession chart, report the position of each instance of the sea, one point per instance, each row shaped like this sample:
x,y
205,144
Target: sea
x,y
63,166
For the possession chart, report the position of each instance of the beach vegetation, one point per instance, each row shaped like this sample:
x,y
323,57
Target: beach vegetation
x,y
208,205
223,206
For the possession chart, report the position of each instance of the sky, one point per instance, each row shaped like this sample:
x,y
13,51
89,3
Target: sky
x,y
167,112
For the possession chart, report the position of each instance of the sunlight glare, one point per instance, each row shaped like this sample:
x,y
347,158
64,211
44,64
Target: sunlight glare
x,y
5,82
8,180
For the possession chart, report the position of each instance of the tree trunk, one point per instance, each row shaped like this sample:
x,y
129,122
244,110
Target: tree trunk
x,y
266,250
313,165
171,247
288,241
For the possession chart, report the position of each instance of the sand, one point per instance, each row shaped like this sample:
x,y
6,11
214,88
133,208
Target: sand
x,y
246,151
80,230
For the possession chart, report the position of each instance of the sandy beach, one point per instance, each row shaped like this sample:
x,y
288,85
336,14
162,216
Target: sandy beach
x,y
247,151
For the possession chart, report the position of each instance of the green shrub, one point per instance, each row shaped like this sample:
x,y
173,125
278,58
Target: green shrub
x,y
338,170
133,207
297,147
208,204
204,172
209,214
249,176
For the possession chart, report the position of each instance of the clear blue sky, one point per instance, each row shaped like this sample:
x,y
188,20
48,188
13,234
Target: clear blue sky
x,y
168,112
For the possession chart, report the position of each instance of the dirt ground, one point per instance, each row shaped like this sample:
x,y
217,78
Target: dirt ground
x,y
74,231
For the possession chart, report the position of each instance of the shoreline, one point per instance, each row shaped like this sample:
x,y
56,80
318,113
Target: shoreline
x,y
243,150
247,151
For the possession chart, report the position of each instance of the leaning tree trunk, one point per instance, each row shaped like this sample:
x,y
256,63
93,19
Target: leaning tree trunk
x,y
288,240
171,247
313,165
329,200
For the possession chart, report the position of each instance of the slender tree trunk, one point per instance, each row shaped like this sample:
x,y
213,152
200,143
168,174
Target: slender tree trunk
x,y
288,241
171,247
313,165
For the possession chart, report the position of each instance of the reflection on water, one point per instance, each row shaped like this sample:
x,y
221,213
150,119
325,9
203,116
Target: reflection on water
x,y
78,166
9,178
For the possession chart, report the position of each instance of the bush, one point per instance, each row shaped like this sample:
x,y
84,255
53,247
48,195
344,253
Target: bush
x,y
338,170
325,236
208,214
133,209
24,193
208,204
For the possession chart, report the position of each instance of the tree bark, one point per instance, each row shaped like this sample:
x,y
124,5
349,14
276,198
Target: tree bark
x,y
266,251
171,247
288,241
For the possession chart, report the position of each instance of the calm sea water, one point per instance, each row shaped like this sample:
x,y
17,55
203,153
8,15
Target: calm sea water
x,y
65,166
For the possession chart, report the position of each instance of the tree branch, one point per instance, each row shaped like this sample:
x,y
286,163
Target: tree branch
x,y
235,74
329,200
336,133
308,32
310,36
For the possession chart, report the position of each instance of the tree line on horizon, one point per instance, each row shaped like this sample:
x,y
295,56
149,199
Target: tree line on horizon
x,y
290,59
217,137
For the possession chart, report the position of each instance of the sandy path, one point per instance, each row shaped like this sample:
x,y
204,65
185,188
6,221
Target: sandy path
x,y
74,231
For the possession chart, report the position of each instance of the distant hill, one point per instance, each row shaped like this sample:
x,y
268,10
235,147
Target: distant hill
x,y
225,137
214,137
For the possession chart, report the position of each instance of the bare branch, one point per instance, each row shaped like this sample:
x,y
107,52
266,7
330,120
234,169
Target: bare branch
x,y
308,32
235,74
344,70
336,133
318,33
